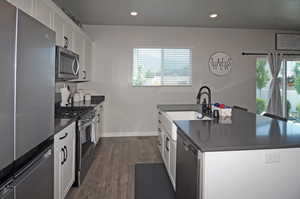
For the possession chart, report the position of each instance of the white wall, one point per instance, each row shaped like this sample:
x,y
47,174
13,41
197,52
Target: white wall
x,y
132,109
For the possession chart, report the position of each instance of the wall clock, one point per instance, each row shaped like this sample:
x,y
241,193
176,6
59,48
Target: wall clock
x,y
220,63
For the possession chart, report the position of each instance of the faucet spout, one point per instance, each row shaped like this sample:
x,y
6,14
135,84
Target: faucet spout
x,y
204,91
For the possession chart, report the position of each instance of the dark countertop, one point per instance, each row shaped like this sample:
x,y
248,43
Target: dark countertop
x,y
247,131
60,124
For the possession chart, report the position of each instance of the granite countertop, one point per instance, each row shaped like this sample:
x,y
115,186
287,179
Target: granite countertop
x,y
60,124
245,131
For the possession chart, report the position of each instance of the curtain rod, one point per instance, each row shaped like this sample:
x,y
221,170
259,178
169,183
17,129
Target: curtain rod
x,y
265,54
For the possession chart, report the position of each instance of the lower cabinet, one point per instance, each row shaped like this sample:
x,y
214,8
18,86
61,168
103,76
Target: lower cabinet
x,y
100,121
167,147
166,151
173,162
64,161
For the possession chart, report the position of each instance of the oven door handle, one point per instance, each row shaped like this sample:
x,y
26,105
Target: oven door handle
x,y
86,125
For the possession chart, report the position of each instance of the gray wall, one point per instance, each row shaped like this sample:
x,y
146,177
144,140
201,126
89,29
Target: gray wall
x,y
133,110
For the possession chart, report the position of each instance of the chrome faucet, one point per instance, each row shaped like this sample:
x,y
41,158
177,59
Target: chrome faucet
x,y
206,104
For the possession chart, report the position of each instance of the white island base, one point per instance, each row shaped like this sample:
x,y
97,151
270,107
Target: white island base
x,y
252,174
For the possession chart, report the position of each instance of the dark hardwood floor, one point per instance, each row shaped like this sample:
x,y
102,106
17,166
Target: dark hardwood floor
x,y
112,174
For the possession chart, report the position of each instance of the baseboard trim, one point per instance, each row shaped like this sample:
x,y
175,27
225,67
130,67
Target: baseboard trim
x,y
129,134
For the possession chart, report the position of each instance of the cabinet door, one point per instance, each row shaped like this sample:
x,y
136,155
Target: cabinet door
x,y
58,161
64,161
166,151
173,162
26,5
44,13
88,58
100,119
58,25
78,42
68,167
68,34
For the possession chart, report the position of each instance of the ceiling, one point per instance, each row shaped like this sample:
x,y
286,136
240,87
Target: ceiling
x,y
262,14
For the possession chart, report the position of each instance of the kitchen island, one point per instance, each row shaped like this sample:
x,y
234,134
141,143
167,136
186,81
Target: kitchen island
x,y
245,157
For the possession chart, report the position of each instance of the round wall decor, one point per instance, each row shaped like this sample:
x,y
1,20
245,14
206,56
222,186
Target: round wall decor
x,y
220,63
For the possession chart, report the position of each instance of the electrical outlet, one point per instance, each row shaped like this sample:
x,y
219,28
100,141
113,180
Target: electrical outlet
x,y
272,157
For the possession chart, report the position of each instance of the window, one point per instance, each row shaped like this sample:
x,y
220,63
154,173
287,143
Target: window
x,y
162,67
263,81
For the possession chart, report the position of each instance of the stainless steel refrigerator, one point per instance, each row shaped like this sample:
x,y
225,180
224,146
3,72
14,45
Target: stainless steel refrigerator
x,y
27,87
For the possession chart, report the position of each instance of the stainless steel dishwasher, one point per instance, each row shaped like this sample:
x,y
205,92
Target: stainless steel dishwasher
x,y
188,170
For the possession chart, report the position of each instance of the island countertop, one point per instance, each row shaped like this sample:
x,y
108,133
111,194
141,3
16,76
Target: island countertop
x,y
245,131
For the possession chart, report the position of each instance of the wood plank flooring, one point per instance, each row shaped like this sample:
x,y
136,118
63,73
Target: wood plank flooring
x,y
112,173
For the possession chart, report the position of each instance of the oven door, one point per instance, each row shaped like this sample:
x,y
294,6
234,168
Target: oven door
x,y
67,64
86,144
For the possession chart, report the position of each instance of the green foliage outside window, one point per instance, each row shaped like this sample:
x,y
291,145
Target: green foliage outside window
x,y
262,74
139,76
260,105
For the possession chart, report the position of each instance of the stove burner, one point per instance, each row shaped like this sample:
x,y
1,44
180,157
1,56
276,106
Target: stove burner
x,y
71,112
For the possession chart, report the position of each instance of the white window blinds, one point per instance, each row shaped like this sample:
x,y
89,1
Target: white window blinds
x,y
162,67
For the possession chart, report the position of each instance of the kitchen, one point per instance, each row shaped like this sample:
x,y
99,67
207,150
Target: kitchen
x,y
104,137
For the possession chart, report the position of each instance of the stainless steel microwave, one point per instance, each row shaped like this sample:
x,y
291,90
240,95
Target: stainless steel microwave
x,y
66,64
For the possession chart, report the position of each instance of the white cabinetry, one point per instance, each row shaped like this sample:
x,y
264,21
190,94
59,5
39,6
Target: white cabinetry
x,y
167,146
47,12
68,34
100,121
64,161
58,25
27,6
88,58
44,13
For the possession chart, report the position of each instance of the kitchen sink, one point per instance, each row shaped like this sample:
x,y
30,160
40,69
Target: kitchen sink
x,y
186,115
167,120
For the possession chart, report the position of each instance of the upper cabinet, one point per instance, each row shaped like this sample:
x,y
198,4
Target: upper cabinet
x,y
67,32
44,13
78,44
27,6
58,25
68,35
88,58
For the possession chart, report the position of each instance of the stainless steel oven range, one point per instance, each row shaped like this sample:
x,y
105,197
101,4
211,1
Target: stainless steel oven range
x,y
85,144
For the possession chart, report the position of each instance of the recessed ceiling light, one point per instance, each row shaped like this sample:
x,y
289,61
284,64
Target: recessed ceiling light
x,y
213,15
134,13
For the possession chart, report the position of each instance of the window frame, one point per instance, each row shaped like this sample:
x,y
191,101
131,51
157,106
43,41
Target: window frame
x,y
156,47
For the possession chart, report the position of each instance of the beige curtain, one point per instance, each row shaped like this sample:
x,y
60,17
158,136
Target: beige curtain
x,y
275,102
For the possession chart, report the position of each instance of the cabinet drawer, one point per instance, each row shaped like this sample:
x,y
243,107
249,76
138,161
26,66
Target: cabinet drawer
x,y
166,151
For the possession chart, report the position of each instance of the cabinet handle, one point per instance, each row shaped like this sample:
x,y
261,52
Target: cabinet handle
x,y
159,121
159,113
66,153
159,130
63,161
63,137
167,140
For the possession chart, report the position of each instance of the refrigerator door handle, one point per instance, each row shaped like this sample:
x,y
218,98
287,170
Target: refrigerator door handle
x,y
63,153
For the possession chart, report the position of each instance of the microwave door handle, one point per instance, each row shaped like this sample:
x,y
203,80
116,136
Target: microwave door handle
x,y
77,69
